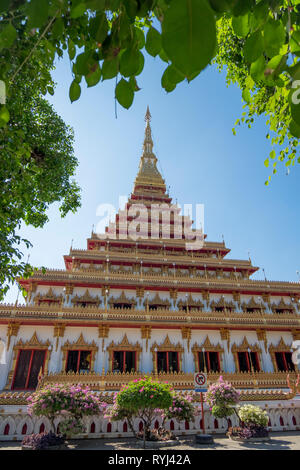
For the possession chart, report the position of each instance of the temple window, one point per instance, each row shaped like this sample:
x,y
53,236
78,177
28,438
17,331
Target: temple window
x,y
284,361
79,356
29,364
167,361
281,356
248,362
124,356
209,361
124,361
78,361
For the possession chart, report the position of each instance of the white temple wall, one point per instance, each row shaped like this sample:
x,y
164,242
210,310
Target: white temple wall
x,y
15,422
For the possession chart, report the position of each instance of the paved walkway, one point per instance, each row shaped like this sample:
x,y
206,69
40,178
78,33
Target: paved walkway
x,y
279,441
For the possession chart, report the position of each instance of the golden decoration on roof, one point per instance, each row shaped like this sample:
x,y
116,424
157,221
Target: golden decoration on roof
x,y
86,298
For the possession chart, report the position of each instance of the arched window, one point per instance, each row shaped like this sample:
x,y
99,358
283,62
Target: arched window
x,y
216,424
141,426
229,423
156,424
172,425
108,429
24,429
93,428
201,424
42,428
269,423
6,429
125,427
294,420
187,425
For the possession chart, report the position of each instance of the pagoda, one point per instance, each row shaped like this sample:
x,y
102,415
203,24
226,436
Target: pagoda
x,y
141,299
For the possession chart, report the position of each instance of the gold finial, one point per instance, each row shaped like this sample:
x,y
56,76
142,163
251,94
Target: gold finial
x,y
148,115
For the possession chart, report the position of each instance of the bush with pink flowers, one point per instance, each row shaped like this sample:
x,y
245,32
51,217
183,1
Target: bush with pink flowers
x,y
181,409
142,398
73,402
222,397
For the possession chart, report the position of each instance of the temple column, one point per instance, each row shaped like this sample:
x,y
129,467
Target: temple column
x,y
228,362
146,357
101,359
187,356
266,365
55,363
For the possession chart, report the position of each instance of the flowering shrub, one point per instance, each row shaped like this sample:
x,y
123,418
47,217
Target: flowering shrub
x,y
253,415
141,398
42,440
71,426
221,396
181,409
70,400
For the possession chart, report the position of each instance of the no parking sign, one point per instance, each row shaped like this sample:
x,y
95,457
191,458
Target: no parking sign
x,y
200,382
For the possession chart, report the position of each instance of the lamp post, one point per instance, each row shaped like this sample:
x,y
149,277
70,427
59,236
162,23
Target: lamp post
x,y
147,302
107,261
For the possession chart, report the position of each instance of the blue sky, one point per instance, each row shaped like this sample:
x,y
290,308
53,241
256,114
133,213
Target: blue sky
x,y
200,158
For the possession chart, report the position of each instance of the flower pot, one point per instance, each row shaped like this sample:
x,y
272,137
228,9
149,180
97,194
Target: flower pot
x,y
158,444
58,447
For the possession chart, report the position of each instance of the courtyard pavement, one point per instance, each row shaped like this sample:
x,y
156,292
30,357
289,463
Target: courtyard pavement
x,y
278,441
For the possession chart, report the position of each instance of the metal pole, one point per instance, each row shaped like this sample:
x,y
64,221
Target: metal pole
x,y
202,412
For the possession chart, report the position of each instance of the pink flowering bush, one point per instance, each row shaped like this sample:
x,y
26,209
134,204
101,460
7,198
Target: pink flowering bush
x,y
72,401
221,396
141,398
181,409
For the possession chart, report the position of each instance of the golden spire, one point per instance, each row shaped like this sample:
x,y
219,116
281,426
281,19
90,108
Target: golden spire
x,y
148,173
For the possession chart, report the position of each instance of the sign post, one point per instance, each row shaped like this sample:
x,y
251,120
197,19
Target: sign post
x,y
200,383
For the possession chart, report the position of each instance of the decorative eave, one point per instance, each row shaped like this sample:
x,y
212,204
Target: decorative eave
x,y
86,297
208,346
280,347
244,346
122,299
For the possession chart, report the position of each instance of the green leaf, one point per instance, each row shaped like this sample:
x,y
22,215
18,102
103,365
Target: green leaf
x,y
71,49
170,78
294,100
4,114
93,77
153,42
139,33
7,36
99,28
110,68
189,35
246,95
130,62
85,62
257,69
254,47
58,28
241,7
294,129
240,25
272,154
124,93
274,37
75,91
37,11
78,10
266,162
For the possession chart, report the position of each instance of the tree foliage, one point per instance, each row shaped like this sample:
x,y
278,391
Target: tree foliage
x,y
257,40
36,158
